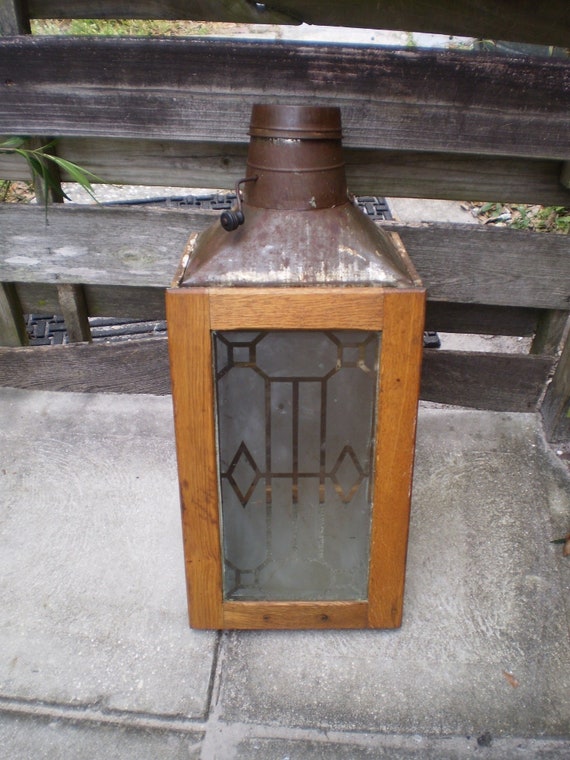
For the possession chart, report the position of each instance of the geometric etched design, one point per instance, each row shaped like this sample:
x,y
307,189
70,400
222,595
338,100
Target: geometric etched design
x,y
243,474
296,419
347,474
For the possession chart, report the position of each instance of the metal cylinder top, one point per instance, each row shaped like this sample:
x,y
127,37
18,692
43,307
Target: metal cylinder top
x,y
300,122
295,154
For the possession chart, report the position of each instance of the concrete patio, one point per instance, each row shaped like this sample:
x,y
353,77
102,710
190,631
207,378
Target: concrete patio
x,y
97,660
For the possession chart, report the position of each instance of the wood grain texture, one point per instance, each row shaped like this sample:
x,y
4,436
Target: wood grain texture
x,y
148,303
556,406
369,172
402,341
193,399
508,20
131,367
296,308
73,308
295,615
141,247
238,11
14,17
192,313
102,300
487,267
550,329
12,325
203,90
92,246
499,382
449,317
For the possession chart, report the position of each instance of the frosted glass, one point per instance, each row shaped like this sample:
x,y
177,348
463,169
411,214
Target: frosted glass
x,y
296,419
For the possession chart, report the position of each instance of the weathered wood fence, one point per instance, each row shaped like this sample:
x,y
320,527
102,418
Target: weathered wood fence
x,y
171,111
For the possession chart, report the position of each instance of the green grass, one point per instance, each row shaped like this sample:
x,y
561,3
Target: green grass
x,y
127,27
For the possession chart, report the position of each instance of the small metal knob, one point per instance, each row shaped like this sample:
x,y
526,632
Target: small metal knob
x,y
231,220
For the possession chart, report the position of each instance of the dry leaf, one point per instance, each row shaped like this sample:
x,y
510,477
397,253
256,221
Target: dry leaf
x,y
510,679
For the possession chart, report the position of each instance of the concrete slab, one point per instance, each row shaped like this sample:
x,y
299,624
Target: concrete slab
x,y
93,606
25,738
402,748
429,210
484,647
96,659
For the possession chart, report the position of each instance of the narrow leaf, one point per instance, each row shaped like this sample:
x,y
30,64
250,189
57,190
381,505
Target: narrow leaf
x,y
13,142
81,176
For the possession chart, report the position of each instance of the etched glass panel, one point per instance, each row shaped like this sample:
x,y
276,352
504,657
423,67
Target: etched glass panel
x,y
296,419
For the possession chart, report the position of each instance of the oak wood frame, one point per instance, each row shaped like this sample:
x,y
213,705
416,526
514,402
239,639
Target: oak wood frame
x,y
193,314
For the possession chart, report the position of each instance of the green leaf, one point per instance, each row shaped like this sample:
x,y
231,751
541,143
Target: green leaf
x,y
39,160
13,142
82,176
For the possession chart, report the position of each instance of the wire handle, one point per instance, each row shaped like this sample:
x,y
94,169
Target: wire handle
x,y
231,220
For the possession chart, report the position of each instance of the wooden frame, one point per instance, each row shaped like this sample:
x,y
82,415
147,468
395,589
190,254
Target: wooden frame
x,y
193,313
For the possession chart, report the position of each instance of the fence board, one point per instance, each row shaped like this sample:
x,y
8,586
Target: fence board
x,y
99,246
491,266
369,172
13,17
148,303
128,367
203,90
549,331
484,381
556,407
12,327
507,20
483,320
73,308
498,382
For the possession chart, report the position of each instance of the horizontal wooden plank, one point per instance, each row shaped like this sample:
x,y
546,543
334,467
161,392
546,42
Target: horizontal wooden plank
x,y
92,246
148,303
129,367
501,382
507,20
477,264
457,177
295,615
203,90
498,382
483,320
141,247
237,11
288,308
369,172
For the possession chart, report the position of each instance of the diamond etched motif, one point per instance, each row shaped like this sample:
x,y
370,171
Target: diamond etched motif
x,y
347,474
296,420
243,474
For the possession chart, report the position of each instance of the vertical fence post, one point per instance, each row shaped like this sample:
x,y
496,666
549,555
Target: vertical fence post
x,y
549,332
12,325
13,18
74,311
556,405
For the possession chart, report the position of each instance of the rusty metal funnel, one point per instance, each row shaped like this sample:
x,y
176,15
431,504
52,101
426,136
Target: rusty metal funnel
x,y
295,224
